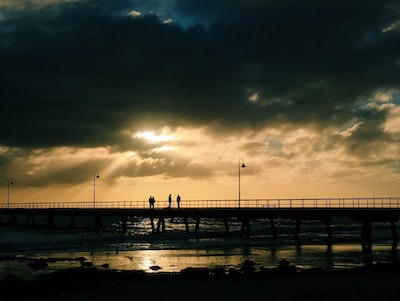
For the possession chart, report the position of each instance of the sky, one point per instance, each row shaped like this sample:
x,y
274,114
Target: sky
x,y
171,96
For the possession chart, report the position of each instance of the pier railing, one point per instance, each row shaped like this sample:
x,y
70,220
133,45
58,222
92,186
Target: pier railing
x,y
373,202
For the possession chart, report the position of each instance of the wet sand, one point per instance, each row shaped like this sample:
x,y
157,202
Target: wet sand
x,y
371,283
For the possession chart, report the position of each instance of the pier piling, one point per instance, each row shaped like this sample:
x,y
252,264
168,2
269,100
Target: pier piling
x,y
124,223
13,220
366,236
152,223
98,222
185,220
245,228
161,224
50,220
226,224
395,238
30,220
72,223
297,230
196,229
273,228
328,229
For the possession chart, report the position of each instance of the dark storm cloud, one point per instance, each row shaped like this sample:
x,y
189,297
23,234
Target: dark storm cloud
x,y
78,74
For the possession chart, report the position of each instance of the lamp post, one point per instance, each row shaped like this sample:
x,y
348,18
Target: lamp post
x,y
95,176
10,182
241,160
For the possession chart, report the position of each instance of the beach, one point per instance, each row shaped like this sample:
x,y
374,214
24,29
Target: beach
x,y
370,283
63,264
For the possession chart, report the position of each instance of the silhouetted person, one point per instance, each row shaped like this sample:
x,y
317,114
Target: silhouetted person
x,y
169,201
178,201
151,202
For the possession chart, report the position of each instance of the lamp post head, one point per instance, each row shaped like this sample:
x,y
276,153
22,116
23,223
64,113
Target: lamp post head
x,y
243,166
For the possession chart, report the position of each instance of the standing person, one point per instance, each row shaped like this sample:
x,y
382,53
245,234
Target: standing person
x,y
151,202
178,201
169,201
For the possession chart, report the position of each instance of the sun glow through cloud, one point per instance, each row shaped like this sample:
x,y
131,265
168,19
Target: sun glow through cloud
x,y
154,138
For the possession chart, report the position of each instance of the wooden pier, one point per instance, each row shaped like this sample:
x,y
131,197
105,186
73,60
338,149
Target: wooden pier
x,y
364,211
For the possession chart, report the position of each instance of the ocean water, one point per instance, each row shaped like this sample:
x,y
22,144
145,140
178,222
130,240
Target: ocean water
x,y
175,250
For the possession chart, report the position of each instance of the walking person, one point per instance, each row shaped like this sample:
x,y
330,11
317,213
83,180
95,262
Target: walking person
x,y
178,201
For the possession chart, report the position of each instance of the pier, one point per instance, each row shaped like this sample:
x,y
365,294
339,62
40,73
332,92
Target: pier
x,y
365,211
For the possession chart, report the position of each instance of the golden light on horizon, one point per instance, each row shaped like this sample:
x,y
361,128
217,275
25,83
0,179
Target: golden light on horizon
x,y
202,164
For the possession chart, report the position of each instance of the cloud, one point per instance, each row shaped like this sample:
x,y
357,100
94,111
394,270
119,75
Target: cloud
x,y
88,75
349,131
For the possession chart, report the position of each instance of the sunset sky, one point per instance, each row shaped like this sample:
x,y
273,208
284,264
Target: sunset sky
x,y
165,96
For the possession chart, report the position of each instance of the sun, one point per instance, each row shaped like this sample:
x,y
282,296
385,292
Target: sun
x,y
154,138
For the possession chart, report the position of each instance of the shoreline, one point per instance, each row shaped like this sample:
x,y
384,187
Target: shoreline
x,y
286,282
